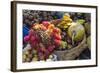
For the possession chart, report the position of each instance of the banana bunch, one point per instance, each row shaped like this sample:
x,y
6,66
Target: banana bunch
x,y
66,21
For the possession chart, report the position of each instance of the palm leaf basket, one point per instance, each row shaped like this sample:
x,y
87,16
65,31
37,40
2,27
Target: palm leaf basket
x,y
72,53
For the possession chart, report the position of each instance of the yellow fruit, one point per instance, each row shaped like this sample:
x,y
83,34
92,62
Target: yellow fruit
x,y
34,51
26,52
66,17
35,59
76,32
24,57
51,26
35,55
37,26
27,59
51,56
66,20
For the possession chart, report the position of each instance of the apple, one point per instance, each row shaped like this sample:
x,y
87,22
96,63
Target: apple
x,y
76,32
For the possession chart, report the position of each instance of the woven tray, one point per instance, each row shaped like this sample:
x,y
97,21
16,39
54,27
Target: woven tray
x,y
72,53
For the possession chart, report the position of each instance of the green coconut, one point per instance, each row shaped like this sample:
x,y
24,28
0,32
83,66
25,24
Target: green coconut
x,y
76,32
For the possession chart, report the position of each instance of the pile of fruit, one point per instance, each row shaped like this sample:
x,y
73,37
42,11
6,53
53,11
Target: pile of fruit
x,y
30,17
46,36
43,39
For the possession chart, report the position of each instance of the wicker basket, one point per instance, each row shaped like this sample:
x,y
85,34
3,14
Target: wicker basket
x,y
72,53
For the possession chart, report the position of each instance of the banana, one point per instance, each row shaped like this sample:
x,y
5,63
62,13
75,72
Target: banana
x,y
66,21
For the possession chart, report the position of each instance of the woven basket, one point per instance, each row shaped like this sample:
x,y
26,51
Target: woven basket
x,y
72,53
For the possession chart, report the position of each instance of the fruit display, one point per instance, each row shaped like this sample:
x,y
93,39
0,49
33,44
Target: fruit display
x,y
46,32
44,38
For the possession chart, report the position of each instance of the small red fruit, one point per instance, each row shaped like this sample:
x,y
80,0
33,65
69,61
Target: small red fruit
x,y
26,38
51,48
46,23
56,36
32,38
57,42
43,27
56,30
